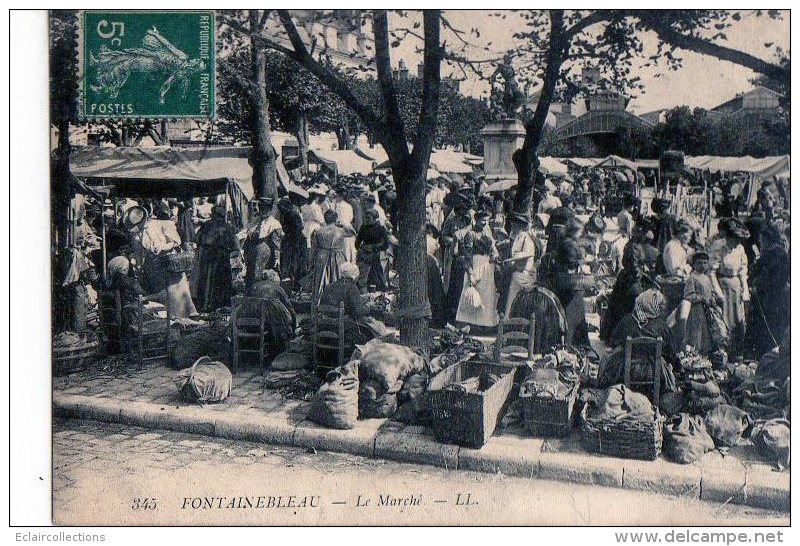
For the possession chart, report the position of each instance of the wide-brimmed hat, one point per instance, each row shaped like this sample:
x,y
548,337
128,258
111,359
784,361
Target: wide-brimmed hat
x,y
134,217
317,189
733,227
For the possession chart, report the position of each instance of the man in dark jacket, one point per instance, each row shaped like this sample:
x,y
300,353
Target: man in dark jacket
x,y
371,242
293,245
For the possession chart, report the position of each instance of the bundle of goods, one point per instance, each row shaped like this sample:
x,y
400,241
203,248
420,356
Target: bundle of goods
x,y
294,384
548,397
702,393
452,346
72,351
763,398
686,439
336,403
382,305
727,424
207,381
383,369
468,400
583,361
772,437
622,423
212,341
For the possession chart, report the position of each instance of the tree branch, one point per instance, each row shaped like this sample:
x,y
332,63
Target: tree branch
x,y
383,64
705,47
328,77
430,91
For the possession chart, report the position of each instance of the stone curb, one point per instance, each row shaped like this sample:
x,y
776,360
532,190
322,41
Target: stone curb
x,y
727,483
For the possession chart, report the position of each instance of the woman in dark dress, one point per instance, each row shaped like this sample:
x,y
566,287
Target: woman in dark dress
x,y
647,319
217,242
770,309
570,286
281,320
293,245
630,283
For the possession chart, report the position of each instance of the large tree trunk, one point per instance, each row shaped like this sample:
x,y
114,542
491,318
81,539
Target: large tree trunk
x,y
60,228
411,267
526,159
265,176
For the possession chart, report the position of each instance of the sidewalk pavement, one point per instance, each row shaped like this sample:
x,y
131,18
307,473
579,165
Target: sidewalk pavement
x,y
147,397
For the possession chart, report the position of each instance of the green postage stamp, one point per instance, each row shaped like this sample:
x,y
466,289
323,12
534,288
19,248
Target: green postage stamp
x,y
147,64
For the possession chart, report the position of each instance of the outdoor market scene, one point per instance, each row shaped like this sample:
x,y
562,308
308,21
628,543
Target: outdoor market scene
x,y
623,301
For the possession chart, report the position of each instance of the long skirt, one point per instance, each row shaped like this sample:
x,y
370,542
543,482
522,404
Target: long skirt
x,y
733,308
483,275
697,332
179,296
370,264
326,270
214,281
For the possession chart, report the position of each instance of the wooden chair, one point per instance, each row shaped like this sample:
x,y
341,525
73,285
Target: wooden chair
x,y
152,328
511,333
329,335
109,312
248,328
642,350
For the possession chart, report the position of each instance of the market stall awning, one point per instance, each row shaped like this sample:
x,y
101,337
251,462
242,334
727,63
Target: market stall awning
x,y
616,162
501,185
581,162
376,154
552,166
447,161
342,162
168,171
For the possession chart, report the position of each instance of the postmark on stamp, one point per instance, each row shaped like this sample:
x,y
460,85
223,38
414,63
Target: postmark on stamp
x,y
147,64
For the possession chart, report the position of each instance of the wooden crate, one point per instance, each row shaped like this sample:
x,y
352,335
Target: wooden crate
x,y
469,419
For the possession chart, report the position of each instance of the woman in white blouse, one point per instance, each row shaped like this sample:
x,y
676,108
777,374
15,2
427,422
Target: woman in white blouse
x,y
158,236
729,259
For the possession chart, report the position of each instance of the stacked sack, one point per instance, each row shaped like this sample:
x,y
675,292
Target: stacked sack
x,y
384,368
702,392
336,403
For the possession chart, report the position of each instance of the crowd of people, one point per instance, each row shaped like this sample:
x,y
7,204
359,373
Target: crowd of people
x,y
652,274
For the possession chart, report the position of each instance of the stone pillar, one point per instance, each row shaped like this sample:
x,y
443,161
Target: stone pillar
x,y
500,139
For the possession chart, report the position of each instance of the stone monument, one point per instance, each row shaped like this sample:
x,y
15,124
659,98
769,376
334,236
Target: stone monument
x,y
506,134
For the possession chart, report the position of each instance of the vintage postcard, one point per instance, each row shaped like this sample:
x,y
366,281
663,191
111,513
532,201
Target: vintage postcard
x,y
436,267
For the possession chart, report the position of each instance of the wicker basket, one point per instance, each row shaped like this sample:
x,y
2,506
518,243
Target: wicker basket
x,y
549,417
67,360
468,419
630,439
179,262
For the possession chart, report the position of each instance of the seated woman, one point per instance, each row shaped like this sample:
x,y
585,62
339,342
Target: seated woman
x,y
280,316
646,320
118,278
359,327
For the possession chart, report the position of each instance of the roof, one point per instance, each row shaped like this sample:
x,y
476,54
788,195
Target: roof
x,y
444,161
599,121
166,171
552,166
616,161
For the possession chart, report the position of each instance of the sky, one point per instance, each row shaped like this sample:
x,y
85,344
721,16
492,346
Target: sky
x,y
702,81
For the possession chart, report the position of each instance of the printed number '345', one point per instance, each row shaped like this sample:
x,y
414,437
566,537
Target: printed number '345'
x,y
144,504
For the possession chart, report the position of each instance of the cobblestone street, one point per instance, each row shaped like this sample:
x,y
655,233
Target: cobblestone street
x,y
113,473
